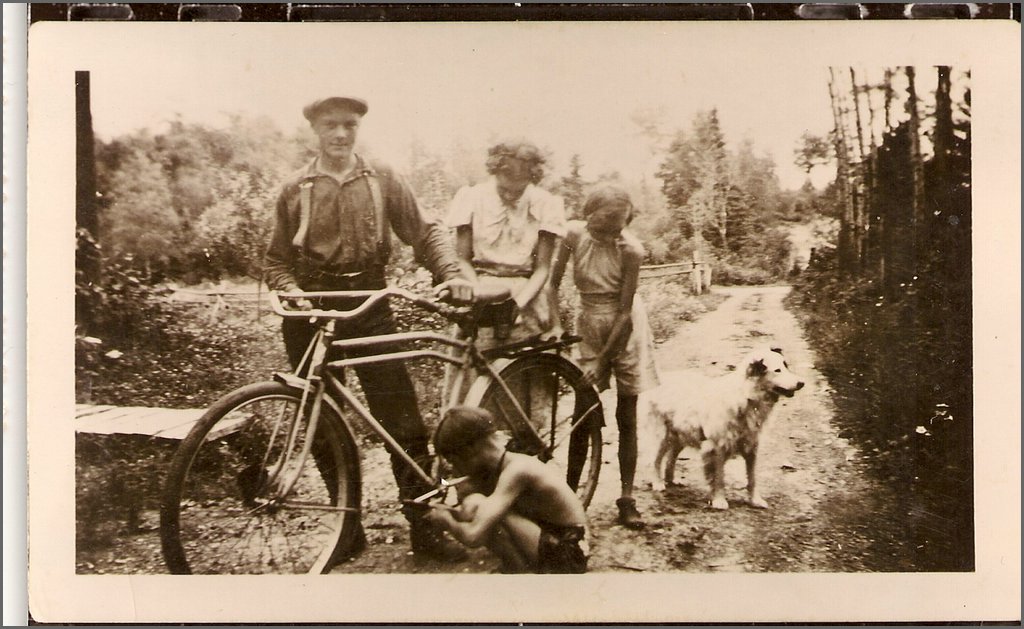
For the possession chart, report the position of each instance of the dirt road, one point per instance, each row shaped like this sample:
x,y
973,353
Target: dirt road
x,y
825,515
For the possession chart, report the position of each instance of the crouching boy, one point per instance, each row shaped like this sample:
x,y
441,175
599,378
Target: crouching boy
x,y
520,508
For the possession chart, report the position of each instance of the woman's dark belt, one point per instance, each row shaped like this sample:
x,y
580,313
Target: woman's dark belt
x,y
500,271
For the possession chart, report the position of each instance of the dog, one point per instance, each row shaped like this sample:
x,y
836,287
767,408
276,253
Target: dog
x,y
722,416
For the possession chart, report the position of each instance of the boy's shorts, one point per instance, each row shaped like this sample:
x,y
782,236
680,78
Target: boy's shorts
x,y
559,550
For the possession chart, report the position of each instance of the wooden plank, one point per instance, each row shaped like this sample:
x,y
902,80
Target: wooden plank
x,y
84,410
141,420
166,423
114,413
223,428
665,271
162,421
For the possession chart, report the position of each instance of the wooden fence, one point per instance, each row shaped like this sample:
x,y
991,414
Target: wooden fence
x,y
698,270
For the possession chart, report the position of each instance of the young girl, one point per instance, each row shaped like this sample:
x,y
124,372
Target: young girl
x,y
612,320
506,228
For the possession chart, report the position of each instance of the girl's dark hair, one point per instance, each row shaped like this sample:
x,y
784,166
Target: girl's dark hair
x,y
499,154
605,195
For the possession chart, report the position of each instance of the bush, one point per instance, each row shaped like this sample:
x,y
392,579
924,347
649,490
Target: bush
x,y
669,303
125,307
900,366
731,274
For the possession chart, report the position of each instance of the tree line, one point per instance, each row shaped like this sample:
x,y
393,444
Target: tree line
x,y
889,301
195,201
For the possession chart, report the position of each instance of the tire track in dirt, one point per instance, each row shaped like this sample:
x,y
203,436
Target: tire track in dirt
x,y
826,514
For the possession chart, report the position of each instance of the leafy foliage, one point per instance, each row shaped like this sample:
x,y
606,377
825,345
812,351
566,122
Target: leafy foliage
x,y
894,332
811,151
176,201
726,205
125,308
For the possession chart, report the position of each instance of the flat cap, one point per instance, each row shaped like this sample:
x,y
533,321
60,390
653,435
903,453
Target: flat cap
x,y
314,109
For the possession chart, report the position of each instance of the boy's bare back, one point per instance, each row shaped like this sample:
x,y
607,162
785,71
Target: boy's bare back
x,y
542,492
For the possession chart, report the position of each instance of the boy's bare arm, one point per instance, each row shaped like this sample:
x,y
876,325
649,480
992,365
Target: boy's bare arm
x,y
514,479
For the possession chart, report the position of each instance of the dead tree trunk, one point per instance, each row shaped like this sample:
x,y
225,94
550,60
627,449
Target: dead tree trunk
x,y
85,164
887,96
845,245
873,219
863,178
917,171
87,253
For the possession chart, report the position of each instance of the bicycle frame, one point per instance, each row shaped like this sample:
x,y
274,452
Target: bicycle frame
x,y
323,376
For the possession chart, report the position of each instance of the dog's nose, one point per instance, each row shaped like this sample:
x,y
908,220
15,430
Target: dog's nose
x,y
799,385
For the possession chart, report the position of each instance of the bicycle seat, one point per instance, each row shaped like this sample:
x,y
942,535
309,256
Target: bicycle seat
x,y
484,294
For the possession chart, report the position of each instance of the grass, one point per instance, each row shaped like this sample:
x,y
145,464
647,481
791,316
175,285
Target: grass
x,y
205,353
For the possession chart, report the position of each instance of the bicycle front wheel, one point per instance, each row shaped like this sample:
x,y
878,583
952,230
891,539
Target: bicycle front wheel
x,y
222,511
560,409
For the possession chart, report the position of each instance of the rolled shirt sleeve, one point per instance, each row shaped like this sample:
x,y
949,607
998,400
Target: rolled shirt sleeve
x,y
550,210
460,213
430,241
277,263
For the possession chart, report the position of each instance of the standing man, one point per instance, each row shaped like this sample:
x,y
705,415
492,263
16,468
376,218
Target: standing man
x,y
332,233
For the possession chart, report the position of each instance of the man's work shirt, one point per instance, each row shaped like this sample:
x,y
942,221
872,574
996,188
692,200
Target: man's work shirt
x,y
342,235
505,236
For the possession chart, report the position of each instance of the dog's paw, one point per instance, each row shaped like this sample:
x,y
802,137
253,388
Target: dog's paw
x,y
658,485
758,502
719,502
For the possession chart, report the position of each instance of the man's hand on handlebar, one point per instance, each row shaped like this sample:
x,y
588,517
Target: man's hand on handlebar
x,y
299,303
457,290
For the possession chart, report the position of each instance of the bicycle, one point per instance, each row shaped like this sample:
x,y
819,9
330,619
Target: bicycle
x,y
240,495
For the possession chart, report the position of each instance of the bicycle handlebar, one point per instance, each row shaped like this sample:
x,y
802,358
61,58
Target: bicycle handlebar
x,y
372,298
483,295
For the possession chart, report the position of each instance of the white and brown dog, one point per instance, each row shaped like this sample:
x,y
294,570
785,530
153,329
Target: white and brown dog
x,y
721,415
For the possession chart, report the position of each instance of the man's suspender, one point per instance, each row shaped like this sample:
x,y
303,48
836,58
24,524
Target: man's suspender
x,y
306,209
378,210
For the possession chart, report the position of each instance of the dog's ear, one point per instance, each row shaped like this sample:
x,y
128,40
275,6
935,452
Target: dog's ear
x,y
756,368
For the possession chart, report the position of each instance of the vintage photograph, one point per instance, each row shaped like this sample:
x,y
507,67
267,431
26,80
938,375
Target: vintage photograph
x,y
636,300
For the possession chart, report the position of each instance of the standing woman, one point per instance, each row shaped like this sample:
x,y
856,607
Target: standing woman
x,y
507,228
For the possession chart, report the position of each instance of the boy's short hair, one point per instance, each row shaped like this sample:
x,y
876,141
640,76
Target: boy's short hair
x,y
462,426
607,194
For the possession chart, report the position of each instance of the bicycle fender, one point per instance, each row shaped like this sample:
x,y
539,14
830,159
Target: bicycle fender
x,y
480,383
479,386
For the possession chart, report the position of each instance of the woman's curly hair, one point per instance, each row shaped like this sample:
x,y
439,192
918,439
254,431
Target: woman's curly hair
x,y
499,154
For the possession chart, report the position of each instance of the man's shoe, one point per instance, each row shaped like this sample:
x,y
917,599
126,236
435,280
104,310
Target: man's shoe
x,y
431,542
629,517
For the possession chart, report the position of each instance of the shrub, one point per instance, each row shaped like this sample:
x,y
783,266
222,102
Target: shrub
x,y
125,307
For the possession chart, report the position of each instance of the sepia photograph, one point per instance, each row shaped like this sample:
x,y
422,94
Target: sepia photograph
x,y
387,312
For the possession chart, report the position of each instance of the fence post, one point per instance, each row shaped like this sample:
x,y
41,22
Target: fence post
x,y
706,274
695,275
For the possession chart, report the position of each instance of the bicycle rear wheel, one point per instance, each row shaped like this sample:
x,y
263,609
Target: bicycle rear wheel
x,y
218,514
565,414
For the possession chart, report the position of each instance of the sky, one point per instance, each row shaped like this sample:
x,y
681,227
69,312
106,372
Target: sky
x,y
569,87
